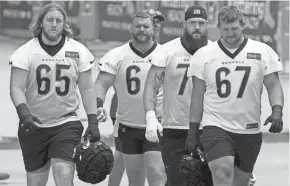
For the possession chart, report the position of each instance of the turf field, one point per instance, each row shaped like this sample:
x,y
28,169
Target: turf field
x,y
272,168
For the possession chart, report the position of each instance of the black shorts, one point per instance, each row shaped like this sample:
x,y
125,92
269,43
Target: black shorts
x,y
134,142
45,143
173,150
118,144
173,143
219,143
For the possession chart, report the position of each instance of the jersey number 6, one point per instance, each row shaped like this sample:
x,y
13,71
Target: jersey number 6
x,y
130,80
40,80
227,83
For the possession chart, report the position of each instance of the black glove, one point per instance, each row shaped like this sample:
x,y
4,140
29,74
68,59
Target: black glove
x,y
276,119
26,118
93,129
191,142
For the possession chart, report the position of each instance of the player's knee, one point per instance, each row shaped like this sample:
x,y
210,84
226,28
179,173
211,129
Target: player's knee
x,y
222,172
154,165
157,171
63,170
38,177
136,176
156,168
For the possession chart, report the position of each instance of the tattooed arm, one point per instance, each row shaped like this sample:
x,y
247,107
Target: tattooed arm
x,y
154,80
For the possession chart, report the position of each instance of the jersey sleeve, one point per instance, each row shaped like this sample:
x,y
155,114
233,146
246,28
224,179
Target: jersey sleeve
x,y
108,63
20,58
87,60
273,63
163,57
197,63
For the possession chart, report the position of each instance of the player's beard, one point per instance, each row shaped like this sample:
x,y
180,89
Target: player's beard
x,y
141,38
52,36
196,43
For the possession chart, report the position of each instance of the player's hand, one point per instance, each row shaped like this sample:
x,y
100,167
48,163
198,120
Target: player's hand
x,y
92,130
102,114
152,126
191,143
93,133
277,123
27,120
28,123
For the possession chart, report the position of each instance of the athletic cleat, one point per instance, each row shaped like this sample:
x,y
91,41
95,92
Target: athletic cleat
x,y
4,176
252,180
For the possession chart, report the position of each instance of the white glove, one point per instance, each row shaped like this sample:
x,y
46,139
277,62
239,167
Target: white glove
x,y
152,125
101,114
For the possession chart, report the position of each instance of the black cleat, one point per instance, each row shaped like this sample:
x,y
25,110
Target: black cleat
x,y
4,176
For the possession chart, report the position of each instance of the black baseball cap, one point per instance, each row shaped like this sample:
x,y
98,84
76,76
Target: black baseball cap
x,y
195,11
155,14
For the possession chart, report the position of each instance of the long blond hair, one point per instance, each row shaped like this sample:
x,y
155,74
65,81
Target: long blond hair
x,y
36,26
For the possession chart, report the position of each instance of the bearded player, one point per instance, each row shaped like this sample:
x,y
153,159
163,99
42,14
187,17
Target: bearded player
x,y
126,68
119,168
228,78
172,75
45,74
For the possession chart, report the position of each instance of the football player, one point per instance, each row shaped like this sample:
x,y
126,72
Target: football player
x,y
126,68
119,168
45,74
228,78
172,75
157,19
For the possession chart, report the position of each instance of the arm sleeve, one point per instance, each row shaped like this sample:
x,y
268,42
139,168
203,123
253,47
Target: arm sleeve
x,y
20,58
273,63
108,63
196,67
87,60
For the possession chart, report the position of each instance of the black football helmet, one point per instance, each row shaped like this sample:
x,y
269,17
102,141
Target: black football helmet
x,y
194,170
94,161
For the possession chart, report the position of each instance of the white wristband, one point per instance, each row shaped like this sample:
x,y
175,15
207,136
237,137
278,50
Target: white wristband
x,y
150,115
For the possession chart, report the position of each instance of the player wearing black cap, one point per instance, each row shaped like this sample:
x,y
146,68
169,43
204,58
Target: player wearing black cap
x,y
171,75
157,19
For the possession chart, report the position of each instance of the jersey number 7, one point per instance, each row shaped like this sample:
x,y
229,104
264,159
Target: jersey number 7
x,y
184,79
58,77
227,83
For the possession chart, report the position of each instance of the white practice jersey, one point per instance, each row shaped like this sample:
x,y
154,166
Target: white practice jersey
x,y
177,87
130,68
234,83
51,90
